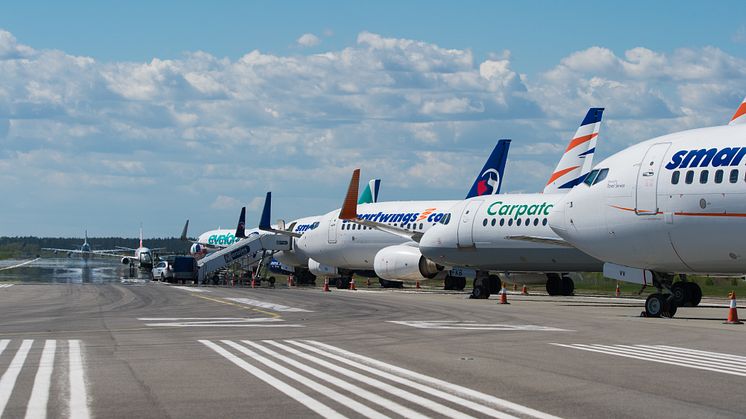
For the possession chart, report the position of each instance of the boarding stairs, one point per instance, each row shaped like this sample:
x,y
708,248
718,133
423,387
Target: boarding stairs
x,y
249,250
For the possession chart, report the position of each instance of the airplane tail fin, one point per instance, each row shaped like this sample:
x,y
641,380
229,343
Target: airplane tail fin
x,y
370,193
264,223
490,178
184,236
86,237
740,116
140,236
349,206
241,227
578,158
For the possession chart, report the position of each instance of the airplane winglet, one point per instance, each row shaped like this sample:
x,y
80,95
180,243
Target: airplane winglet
x,y
183,236
349,207
264,223
241,227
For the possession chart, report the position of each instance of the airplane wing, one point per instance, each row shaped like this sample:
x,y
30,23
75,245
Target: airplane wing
x,y
541,240
349,213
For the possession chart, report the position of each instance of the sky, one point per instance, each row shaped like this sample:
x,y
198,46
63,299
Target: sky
x,y
117,114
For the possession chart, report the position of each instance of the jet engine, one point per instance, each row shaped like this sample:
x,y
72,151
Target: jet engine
x,y
127,261
404,263
319,269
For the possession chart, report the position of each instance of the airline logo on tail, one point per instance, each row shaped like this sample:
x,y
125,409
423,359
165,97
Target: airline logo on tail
x,y
740,116
491,176
578,158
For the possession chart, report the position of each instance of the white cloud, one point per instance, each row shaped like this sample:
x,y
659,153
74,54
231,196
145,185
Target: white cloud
x,y
308,40
145,138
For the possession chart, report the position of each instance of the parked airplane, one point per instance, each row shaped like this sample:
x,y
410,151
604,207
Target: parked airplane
x,y
669,205
217,239
479,235
379,239
142,256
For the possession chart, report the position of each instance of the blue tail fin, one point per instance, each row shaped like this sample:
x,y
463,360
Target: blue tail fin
x,y
241,227
264,223
490,178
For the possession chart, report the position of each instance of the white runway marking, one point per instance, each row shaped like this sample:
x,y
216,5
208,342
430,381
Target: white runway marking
x,y
347,377
216,322
190,289
290,391
269,306
467,325
19,264
6,285
78,397
8,381
37,405
38,400
672,355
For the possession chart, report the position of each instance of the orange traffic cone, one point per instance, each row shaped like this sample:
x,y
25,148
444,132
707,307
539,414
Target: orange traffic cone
x,y
503,296
352,284
618,292
732,313
326,285
417,284
524,290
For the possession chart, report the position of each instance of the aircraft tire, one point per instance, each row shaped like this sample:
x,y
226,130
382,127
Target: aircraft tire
x,y
654,305
695,292
681,294
459,284
553,284
480,290
669,306
567,286
448,283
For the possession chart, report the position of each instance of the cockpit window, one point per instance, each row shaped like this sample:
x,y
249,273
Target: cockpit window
x,y
601,176
591,177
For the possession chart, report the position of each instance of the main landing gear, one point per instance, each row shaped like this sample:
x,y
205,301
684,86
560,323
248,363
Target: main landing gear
x,y
484,285
681,294
560,285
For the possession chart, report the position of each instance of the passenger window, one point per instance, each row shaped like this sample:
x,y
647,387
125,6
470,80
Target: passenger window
x,y
689,177
528,221
734,176
675,177
493,222
502,222
601,176
536,221
719,176
484,223
544,222
591,177
510,222
703,176
518,222
422,226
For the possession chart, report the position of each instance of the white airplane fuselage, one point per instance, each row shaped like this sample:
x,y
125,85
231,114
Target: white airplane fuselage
x,y
477,236
675,203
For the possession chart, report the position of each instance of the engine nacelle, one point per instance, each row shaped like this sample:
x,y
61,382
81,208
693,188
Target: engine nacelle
x,y
404,263
127,261
319,269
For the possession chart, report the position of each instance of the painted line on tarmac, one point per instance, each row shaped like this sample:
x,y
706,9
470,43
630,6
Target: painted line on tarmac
x,y
37,396
6,285
19,264
190,289
269,306
216,322
37,404
290,391
313,368
243,307
426,382
469,325
671,355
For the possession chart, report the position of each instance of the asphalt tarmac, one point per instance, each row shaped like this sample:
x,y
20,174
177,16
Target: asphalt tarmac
x,y
154,350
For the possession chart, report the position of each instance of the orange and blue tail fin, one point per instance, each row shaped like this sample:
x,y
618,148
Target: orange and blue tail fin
x,y
490,178
740,116
577,161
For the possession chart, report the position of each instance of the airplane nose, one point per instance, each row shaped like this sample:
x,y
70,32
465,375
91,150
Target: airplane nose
x,y
557,218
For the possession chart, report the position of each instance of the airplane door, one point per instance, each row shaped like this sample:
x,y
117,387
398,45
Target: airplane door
x,y
333,230
647,179
466,224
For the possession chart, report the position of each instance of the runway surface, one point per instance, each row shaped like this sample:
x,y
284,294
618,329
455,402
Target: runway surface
x,y
153,350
